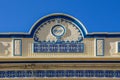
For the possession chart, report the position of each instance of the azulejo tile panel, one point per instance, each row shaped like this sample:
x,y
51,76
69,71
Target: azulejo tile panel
x,y
58,47
60,73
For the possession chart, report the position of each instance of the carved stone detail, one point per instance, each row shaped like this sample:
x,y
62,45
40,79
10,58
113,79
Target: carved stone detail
x,y
100,47
17,47
6,48
113,48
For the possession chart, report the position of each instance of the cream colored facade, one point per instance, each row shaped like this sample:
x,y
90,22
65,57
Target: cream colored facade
x,y
90,49
59,42
72,34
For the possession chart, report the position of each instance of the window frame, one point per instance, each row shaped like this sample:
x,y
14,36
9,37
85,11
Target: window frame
x,y
118,50
98,54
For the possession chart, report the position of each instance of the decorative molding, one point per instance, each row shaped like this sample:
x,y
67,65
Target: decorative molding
x,y
37,66
99,47
17,47
68,28
113,48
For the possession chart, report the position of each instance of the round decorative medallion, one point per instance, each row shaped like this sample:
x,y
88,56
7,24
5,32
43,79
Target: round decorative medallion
x,y
55,29
58,30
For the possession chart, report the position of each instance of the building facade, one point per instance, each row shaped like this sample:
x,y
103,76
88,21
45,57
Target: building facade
x,y
58,46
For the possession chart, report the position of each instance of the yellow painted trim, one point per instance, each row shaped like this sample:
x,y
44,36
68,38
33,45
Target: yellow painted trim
x,y
58,59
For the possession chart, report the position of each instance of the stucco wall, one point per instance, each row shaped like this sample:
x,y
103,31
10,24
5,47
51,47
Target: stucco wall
x,y
88,50
6,47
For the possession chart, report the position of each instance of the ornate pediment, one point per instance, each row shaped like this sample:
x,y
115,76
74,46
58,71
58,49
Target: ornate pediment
x,y
58,33
59,28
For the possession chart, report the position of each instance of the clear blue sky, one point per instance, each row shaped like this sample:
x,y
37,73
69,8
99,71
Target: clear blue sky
x,y
96,15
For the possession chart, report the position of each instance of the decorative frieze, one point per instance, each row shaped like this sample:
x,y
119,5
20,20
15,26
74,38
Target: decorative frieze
x,y
113,48
37,66
60,73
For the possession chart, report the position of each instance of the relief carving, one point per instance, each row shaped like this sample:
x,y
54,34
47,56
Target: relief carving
x,y
46,28
5,48
100,47
113,48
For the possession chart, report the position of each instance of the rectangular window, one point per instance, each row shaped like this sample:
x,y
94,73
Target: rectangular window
x,y
17,47
99,47
118,46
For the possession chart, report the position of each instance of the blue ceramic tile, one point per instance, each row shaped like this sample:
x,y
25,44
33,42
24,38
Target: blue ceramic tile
x,y
89,73
99,73
56,47
50,73
117,73
109,73
2,74
29,73
10,74
79,73
69,73
20,73
39,73
60,73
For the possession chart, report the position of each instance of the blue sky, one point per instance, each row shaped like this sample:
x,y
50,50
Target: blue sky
x,y
96,15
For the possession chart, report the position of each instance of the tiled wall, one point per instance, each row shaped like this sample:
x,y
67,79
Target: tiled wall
x,y
60,73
